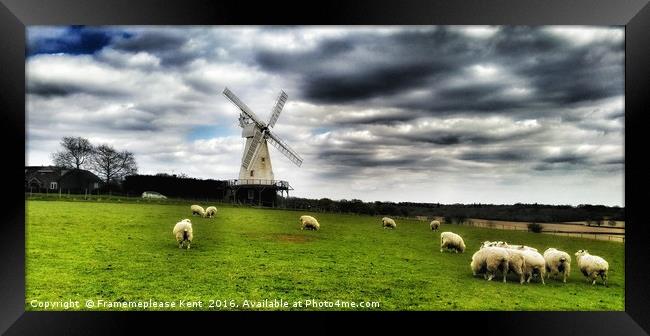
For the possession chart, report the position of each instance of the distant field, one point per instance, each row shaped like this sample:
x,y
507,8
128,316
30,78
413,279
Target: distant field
x,y
126,252
570,226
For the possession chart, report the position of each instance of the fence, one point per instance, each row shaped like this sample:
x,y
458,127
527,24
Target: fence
x,y
115,197
588,235
596,236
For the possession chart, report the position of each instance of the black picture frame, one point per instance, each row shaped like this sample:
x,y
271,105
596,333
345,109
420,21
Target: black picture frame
x,y
15,15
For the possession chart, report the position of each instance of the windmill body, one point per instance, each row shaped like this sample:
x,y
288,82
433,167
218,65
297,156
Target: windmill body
x,y
261,168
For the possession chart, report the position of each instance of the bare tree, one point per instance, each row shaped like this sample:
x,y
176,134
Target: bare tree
x,y
111,165
76,152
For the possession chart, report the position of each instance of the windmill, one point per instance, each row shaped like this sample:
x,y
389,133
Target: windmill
x,y
256,168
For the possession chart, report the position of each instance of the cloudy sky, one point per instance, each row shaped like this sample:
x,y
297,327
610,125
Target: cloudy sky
x,y
428,114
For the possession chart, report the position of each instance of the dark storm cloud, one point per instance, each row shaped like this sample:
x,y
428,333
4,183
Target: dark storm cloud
x,y
363,157
379,81
49,89
567,158
562,72
356,69
506,155
360,67
168,46
469,98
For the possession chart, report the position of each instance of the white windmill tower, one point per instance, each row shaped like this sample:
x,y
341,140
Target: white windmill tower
x,y
256,169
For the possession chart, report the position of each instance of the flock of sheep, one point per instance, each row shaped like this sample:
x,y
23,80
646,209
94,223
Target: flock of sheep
x,y
183,229
525,261
491,258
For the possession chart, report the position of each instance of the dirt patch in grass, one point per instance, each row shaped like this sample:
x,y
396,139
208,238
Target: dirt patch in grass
x,y
292,238
279,237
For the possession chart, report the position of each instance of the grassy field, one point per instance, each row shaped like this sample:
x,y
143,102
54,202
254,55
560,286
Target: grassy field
x,y
126,252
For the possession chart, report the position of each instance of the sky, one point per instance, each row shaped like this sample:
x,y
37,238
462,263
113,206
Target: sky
x,y
436,114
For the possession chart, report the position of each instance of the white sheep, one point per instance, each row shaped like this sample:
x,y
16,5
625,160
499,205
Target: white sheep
x,y
450,240
183,233
435,225
534,264
388,223
557,262
210,212
309,223
197,210
489,260
488,243
517,264
521,247
592,266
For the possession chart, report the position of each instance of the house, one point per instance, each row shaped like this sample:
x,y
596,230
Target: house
x,y
53,179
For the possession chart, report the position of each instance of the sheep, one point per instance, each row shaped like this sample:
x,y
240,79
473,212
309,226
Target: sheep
x,y
210,212
435,225
521,247
517,264
488,243
506,245
535,264
309,223
557,262
592,266
490,259
388,223
450,240
183,233
197,210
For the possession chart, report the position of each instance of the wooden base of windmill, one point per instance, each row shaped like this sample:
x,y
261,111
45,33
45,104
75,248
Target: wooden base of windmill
x,y
258,192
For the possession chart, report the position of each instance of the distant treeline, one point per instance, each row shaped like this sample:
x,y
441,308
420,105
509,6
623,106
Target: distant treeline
x,y
174,186
460,212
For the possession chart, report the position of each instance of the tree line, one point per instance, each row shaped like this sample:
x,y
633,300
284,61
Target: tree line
x,y
108,163
459,213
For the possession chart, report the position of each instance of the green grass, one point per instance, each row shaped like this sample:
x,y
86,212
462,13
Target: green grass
x,y
126,252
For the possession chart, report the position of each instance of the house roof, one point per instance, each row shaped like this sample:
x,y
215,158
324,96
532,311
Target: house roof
x,y
48,174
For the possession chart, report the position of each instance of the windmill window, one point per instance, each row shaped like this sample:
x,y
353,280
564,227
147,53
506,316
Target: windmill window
x,y
53,185
262,159
251,194
252,173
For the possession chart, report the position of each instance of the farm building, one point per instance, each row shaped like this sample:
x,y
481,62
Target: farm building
x,y
53,178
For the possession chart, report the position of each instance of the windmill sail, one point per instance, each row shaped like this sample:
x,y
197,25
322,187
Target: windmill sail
x,y
252,149
275,113
284,148
243,107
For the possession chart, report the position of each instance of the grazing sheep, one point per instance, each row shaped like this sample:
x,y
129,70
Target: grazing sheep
x,y
197,210
592,266
517,264
210,212
183,233
450,240
388,223
488,261
557,262
309,223
435,225
521,247
491,259
534,264
488,243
